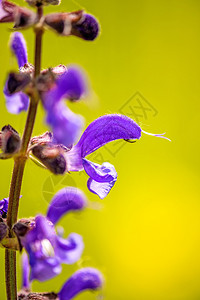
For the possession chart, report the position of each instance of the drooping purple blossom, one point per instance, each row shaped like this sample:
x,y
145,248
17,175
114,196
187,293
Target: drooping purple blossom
x,y
84,279
100,132
18,101
45,248
66,200
65,124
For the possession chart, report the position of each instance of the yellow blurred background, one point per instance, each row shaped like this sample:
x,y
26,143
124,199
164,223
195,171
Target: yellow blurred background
x,y
144,236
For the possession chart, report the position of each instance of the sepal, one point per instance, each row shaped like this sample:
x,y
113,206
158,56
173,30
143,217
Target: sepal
x,y
10,141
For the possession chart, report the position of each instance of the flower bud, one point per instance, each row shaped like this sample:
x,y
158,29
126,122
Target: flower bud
x,y
3,230
9,140
51,156
75,23
16,82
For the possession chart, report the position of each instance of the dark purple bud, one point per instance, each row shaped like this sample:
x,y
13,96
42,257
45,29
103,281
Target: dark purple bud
x,y
9,140
86,28
84,279
16,82
51,156
3,230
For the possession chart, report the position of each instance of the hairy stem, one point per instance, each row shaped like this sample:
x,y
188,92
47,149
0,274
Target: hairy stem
x,y
18,170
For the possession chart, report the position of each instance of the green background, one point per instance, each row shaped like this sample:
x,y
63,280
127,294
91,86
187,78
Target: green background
x,y
144,236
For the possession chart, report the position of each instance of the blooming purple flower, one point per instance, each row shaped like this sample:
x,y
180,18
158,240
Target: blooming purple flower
x,y
3,207
45,248
100,132
84,279
18,101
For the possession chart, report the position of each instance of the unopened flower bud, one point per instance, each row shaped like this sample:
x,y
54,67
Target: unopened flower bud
x,y
75,23
16,82
51,156
3,230
9,140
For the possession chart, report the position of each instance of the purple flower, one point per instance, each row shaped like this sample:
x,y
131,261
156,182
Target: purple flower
x,y
17,102
3,207
65,124
45,248
100,132
84,279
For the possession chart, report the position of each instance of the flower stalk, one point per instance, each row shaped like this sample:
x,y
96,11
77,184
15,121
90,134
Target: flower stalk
x,y
18,170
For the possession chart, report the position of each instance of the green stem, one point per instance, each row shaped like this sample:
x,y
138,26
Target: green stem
x,y
18,170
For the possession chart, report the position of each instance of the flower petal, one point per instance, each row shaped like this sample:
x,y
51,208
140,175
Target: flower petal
x,y
66,200
102,177
69,250
25,272
106,129
65,124
84,279
104,173
100,188
4,206
17,102
44,270
18,46
70,85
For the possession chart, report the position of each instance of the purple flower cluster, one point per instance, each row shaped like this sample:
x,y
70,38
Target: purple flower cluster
x,y
63,150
